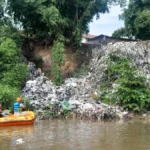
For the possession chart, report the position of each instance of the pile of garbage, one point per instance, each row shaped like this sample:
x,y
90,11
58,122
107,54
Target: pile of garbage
x,y
80,96
76,97
137,52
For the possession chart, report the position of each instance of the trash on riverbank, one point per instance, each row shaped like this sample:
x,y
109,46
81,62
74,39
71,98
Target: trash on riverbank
x,y
84,92
74,97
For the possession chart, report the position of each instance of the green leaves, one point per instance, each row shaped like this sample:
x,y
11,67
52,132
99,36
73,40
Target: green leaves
x,y
8,54
130,90
119,33
7,95
57,76
58,53
52,17
137,20
15,76
57,57
13,72
142,23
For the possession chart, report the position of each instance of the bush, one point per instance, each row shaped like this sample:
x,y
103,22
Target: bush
x,y
131,91
16,76
8,55
11,33
8,95
57,57
57,77
13,72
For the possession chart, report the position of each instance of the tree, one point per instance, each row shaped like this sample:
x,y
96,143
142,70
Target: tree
x,y
137,20
59,21
119,33
1,10
13,72
50,18
143,25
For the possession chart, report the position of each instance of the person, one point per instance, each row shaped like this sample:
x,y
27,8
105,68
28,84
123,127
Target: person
x,y
1,110
17,105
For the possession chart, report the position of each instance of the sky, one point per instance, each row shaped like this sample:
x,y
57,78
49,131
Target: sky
x,y
107,23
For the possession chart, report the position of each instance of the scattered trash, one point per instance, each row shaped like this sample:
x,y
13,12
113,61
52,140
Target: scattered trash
x,y
20,141
83,93
66,105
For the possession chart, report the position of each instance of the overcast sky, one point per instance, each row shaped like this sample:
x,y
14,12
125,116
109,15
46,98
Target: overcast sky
x,y
107,23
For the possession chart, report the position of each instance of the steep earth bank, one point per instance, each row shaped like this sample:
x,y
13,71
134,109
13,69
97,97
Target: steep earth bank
x,y
72,59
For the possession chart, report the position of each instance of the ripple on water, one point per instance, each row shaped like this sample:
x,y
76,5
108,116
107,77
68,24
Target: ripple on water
x,y
77,135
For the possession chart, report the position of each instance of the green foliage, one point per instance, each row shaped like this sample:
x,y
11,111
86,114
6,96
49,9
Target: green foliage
x,y
131,91
65,112
137,20
58,52
119,33
7,95
142,23
81,72
48,113
13,72
27,103
2,12
56,73
57,57
39,62
53,17
76,37
11,33
16,76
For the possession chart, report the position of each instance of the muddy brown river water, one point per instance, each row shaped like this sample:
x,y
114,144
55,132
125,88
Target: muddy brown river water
x,y
77,135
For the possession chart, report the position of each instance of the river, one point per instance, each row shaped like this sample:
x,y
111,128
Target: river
x,y
77,135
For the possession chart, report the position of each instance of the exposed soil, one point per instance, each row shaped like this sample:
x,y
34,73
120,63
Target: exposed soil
x,y
33,49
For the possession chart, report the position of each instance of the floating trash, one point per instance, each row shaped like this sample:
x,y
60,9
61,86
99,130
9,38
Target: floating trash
x,y
20,141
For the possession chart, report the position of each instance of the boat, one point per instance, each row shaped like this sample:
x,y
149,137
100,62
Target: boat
x,y
24,118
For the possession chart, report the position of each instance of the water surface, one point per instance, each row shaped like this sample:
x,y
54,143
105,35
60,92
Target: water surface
x,y
77,135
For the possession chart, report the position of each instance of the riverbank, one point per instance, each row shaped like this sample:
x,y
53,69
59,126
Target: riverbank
x,y
83,96
73,99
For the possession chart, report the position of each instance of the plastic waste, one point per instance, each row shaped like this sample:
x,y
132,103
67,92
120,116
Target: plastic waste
x,y
19,141
66,105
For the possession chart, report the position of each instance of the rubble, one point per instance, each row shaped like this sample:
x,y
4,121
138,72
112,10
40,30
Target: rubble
x,y
81,92
137,52
78,92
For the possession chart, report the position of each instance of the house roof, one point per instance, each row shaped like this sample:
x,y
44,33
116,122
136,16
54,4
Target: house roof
x,y
89,36
101,36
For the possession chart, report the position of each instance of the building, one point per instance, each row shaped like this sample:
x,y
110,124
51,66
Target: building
x,y
102,39
86,37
